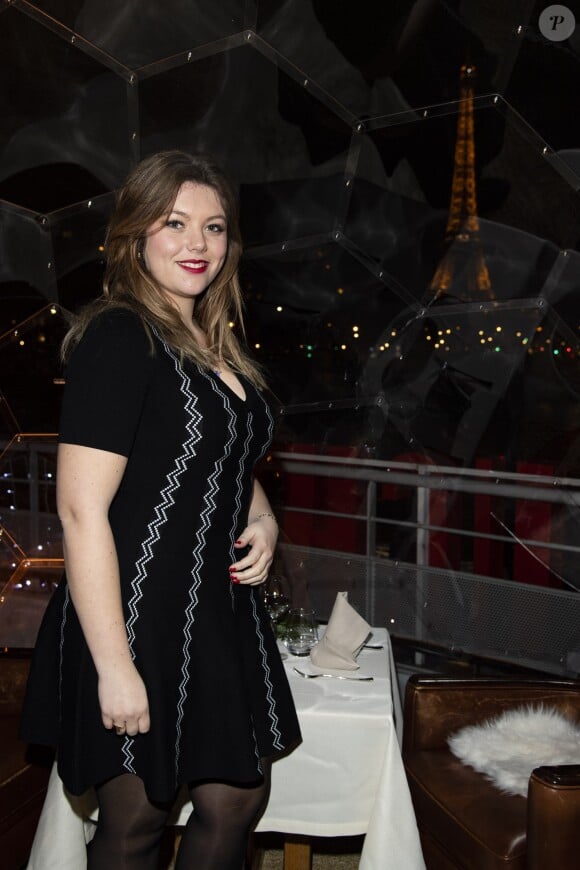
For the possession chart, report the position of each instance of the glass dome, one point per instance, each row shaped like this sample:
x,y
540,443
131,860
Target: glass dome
x,y
408,179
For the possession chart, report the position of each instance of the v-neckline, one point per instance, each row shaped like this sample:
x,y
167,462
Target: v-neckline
x,y
244,400
200,337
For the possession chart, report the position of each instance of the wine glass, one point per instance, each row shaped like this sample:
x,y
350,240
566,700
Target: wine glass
x,y
275,602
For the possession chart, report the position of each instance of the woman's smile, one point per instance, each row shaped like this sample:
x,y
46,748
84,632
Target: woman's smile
x,y
194,266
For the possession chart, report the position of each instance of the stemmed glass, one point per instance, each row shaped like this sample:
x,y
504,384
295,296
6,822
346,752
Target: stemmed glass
x,y
276,602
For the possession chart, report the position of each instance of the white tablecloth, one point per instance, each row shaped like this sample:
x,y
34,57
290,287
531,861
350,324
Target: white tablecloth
x,y
346,777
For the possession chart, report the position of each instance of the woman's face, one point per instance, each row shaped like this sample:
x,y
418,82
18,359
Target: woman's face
x,y
185,251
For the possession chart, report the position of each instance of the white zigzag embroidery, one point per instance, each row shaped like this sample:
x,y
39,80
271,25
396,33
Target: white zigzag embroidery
x,y
128,753
269,687
239,476
270,426
161,511
62,627
256,750
210,507
239,486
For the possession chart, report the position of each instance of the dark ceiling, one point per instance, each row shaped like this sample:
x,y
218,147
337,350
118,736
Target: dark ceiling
x,y
340,127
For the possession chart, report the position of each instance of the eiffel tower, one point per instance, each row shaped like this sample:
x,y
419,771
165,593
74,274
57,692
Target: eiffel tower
x,y
462,272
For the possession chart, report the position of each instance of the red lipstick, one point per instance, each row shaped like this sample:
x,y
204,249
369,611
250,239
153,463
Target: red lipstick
x,y
196,267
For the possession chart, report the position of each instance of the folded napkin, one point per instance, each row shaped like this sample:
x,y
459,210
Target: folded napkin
x,y
345,634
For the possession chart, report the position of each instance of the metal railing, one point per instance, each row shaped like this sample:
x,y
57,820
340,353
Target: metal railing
x,y
449,604
28,494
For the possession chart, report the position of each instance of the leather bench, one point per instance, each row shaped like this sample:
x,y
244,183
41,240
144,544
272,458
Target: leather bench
x,y
465,822
23,771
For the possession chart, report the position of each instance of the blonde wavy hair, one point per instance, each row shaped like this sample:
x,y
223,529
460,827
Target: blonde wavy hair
x,y
148,195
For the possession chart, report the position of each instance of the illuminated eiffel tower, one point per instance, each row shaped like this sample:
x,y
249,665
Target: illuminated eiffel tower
x,y
462,273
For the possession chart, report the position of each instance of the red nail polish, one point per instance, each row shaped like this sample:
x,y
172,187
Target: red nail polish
x,y
234,579
239,541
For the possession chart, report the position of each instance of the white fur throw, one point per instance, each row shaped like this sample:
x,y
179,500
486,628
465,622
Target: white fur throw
x,y
506,749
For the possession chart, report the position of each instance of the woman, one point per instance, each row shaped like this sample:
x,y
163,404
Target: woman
x,y
155,665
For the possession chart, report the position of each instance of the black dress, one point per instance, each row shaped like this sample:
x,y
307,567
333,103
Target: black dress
x,y
218,695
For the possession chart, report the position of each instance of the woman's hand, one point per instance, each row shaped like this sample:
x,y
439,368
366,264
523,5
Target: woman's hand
x,y
123,700
260,535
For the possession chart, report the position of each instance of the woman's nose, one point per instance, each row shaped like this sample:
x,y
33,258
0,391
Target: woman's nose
x,y
196,240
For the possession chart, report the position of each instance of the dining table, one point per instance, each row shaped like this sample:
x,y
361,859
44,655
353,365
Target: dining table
x,y
345,778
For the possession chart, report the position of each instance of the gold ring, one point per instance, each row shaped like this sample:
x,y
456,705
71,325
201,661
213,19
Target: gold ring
x,y
119,729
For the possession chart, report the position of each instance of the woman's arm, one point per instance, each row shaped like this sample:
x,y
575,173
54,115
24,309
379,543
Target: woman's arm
x,y
87,481
260,535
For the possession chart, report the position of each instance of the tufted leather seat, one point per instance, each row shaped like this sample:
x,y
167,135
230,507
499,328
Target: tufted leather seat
x,y
465,821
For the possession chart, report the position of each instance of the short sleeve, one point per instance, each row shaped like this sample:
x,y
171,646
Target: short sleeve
x,y
107,379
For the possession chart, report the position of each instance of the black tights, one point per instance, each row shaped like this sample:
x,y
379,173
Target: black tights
x,y
216,834
130,828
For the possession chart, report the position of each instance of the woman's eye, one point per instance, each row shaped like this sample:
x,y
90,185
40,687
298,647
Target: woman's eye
x,y
216,228
174,224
